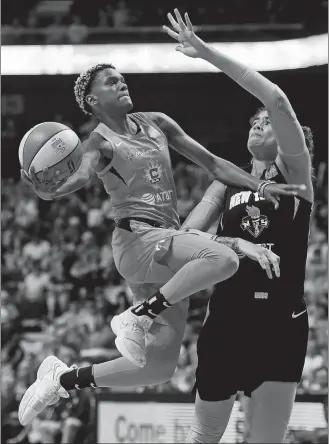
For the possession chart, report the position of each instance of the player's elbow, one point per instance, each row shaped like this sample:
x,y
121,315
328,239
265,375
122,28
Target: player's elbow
x,y
278,101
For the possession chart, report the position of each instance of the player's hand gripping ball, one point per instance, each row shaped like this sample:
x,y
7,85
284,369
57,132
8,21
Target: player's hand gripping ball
x,y
49,154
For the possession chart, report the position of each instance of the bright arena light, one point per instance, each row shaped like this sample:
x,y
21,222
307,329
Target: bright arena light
x,y
161,57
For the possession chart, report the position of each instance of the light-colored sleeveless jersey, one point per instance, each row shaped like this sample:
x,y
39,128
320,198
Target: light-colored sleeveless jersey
x,y
139,178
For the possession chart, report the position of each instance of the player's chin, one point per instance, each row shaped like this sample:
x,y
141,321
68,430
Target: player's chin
x,y
126,103
255,146
130,105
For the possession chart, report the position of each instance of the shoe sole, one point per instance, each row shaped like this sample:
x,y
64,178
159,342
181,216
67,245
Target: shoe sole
x,y
28,395
120,345
30,392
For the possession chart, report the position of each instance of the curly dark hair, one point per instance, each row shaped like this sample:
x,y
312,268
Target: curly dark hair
x,y
83,84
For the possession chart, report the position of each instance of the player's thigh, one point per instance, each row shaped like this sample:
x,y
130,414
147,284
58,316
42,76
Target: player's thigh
x,y
195,244
158,256
269,412
218,363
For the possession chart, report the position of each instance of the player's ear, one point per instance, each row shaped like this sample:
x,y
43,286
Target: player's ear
x,y
91,99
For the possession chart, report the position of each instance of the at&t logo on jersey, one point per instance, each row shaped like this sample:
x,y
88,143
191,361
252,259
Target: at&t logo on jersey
x,y
156,198
153,173
255,222
148,198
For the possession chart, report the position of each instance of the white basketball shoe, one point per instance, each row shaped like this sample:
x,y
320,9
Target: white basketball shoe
x,y
131,331
46,390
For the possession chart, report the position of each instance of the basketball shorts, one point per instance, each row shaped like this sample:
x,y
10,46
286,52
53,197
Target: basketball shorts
x,y
240,347
137,256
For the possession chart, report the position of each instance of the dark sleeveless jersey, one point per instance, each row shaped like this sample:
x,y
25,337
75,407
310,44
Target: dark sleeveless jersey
x,y
284,231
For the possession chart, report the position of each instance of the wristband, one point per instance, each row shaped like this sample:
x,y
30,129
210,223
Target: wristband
x,y
261,187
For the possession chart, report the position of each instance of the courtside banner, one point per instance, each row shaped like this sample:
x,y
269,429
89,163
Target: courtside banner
x,y
158,418
161,57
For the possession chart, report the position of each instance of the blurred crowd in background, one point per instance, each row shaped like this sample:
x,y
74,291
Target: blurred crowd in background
x,y
60,290
75,22
60,287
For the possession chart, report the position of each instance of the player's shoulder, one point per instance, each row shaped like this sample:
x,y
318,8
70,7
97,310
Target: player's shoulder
x,y
96,142
165,123
157,117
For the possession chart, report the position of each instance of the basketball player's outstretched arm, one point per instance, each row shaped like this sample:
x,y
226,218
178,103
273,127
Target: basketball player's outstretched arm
x,y
289,134
222,170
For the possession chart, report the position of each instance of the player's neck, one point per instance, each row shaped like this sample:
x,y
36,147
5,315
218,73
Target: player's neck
x,y
118,124
258,167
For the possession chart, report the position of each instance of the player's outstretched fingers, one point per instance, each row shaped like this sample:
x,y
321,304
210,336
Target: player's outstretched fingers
x,y
173,22
188,22
265,264
180,20
275,261
170,32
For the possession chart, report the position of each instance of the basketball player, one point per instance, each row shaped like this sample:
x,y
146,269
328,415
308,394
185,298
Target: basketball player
x,y
260,349
129,153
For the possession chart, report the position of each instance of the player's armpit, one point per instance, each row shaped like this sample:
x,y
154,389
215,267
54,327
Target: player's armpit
x,y
204,215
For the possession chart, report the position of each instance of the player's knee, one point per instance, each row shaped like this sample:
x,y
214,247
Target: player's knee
x,y
221,264
227,261
222,256
167,371
162,372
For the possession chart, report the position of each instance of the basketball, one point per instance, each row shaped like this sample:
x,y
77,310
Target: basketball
x,y
50,145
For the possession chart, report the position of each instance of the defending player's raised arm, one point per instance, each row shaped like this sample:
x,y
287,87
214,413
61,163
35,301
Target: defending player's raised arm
x,y
287,129
208,210
222,170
